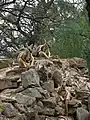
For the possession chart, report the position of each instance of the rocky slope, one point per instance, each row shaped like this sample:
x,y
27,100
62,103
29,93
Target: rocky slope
x,y
55,89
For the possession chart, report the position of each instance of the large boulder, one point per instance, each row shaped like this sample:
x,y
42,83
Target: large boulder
x,y
30,78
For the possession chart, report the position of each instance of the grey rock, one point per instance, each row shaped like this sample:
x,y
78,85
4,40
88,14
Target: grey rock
x,y
7,83
9,110
20,107
50,102
61,104
20,117
47,111
84,107
13,78
3,117
40,104
82,94
82,114
74,102
77,62
89,103
51,118
37,108
59,111
42,117
43,92
65,118
24,99
32,92
32,115
49,86
30,78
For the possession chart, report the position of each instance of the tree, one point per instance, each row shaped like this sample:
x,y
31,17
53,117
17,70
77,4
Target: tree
x,y
88,7
21,22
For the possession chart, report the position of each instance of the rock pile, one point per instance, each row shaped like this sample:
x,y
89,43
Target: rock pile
x,y
53,89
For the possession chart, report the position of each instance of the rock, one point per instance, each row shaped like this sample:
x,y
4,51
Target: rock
x,y
71,111
57,77
82,114
24,99
19,117
61,104
84,107
59,111
9,110
13,78
82,94
49,86
89,102
74,101
39,103
77,62
42,117
50,102
47,111
40,92
20,107
32,115
51,118
32,92
3,117
15,71
65,118
43,92
37,108
7,83
30,78
7,99
8,95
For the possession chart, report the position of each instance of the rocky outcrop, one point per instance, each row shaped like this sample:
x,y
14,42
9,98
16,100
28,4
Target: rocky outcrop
x,y
55,89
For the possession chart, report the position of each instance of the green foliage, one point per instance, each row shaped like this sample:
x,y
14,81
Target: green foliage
x,y
2,108
72,38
